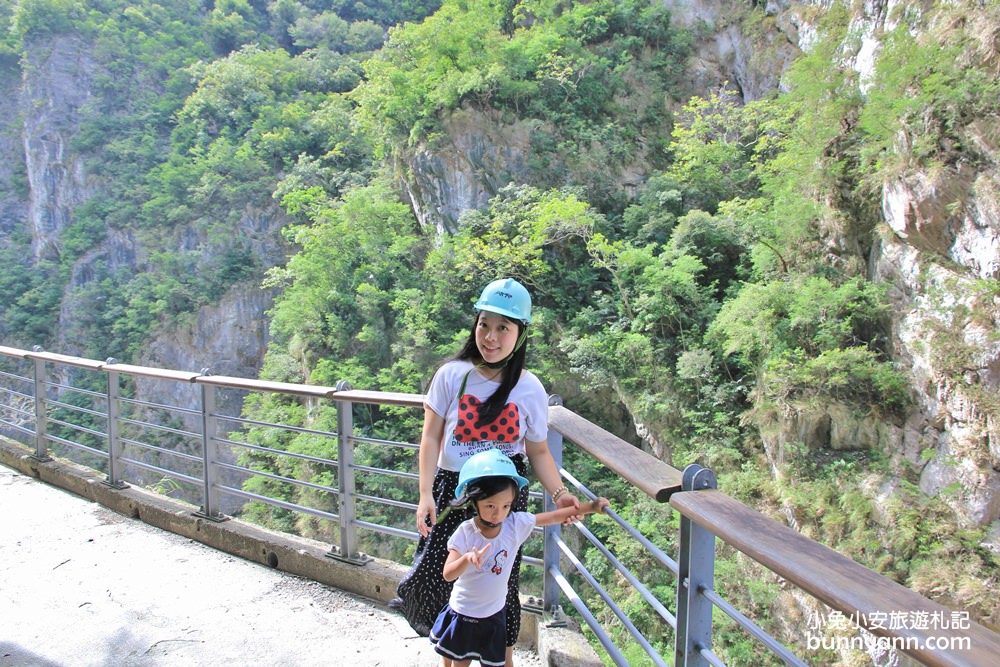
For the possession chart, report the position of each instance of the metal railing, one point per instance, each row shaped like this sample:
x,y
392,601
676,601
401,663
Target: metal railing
x,y
92,413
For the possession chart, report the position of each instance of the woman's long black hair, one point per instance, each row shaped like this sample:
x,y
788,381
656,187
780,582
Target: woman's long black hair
x,y
512,369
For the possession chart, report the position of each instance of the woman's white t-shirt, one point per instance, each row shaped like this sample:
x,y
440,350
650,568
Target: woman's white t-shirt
x,y
525,416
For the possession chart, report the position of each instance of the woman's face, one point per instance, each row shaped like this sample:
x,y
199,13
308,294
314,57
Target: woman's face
x,y
496,337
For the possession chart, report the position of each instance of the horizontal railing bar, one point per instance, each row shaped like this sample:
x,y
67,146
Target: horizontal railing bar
x,y
15,392
276,452
533,561
767,640
386,472
159,427
75,445
608,600
289,480
574,599
19,411
267,386
654,550
832,578
644,471
163,471
387,530
75,408
78,428
351,395
354,396
75,390
413,537
378,397
280,427
389,443
401,504
646,594
18,427
713,659
279,503
159,406
162,450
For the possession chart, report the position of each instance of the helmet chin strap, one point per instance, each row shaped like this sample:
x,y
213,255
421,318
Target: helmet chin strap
x,y
488,524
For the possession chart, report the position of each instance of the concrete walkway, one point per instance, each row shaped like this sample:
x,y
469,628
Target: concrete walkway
x,y
84,586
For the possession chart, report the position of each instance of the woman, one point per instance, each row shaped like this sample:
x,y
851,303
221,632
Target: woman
x,y
482,399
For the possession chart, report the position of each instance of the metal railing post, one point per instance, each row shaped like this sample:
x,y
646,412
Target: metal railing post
x,y
550,554
210,454
696,571
41,448
114,478
348,550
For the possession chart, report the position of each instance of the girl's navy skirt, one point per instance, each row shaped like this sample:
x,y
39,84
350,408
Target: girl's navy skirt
x,y
461,637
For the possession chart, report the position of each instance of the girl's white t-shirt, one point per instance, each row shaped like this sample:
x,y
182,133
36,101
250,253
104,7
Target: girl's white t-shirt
x,y
525,417
483,592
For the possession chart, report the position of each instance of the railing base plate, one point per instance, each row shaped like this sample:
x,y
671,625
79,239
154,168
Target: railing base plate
x,y
554,618
356,559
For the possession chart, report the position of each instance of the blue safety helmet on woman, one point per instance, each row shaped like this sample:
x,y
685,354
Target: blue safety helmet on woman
x,y
506,297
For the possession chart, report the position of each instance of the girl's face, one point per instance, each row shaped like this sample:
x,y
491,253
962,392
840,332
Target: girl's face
x,y
494,509
496,337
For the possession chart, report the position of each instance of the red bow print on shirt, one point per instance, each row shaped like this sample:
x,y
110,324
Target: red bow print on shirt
x,y
505,428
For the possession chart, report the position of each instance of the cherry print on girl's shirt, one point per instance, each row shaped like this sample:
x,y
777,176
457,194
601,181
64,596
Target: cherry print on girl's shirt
x,y
505,428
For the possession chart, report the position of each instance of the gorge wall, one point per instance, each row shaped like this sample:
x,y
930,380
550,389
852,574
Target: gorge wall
x,y
58,81
938,246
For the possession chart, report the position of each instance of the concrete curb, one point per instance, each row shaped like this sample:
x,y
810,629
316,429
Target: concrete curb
x,y
309,559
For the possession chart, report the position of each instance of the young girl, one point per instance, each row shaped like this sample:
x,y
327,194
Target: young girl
x,y
482,399
473,624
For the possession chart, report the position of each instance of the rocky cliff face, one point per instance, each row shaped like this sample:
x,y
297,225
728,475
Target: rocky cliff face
x,y
13,203
477,155
57,83
939,249
229,337
937,258
939,252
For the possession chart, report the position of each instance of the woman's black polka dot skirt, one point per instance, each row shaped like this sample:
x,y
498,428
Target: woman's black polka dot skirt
x,y
423,591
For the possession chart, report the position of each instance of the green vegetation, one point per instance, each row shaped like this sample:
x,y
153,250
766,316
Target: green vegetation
x,y
723,284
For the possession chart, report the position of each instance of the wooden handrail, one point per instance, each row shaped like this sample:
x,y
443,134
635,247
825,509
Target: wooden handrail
x,y
308,390
648,473
835,580
381,397
79,362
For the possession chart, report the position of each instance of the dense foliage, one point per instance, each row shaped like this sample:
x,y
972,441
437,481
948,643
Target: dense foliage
x,y
703,305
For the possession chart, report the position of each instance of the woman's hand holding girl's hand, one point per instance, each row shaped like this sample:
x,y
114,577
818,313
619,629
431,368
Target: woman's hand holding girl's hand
x,y
569,500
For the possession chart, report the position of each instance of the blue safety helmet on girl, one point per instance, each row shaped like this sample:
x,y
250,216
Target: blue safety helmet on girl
x,y
491,463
